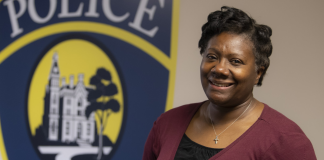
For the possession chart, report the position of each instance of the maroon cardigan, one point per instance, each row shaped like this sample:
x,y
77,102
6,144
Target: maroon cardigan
x,y
272,137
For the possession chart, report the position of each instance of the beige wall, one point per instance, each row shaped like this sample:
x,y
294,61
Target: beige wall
x,y
294,82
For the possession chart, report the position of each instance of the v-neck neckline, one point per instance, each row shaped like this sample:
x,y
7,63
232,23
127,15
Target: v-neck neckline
x,y
187,122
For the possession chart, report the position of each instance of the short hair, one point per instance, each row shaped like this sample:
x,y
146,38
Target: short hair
x,y
235,21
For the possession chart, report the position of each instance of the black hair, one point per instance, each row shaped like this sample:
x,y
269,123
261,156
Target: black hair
x,y
235,21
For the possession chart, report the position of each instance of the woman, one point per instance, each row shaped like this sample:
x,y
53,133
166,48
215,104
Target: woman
x,y
231,124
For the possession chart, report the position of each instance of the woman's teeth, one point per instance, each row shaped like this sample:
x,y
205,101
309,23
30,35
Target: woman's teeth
x,y
221,85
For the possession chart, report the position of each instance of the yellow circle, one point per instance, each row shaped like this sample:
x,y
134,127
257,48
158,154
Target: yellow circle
x,y
75,56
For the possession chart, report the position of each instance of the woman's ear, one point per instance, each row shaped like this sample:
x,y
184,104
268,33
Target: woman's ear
x,y
259,73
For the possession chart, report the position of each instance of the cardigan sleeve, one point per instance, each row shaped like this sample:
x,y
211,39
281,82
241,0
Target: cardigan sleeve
x,y
151,147
293,146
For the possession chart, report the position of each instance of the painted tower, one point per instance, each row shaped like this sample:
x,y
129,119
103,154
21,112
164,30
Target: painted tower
x,y
54,90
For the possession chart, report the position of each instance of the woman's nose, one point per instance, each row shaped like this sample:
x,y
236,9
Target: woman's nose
x,y
221,69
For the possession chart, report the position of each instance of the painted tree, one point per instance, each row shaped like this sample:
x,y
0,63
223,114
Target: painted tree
x,y
102,102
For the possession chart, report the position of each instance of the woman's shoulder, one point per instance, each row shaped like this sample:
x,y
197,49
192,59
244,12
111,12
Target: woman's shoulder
x,y
184,109
283,129
279,122
179,114
286,137
288,140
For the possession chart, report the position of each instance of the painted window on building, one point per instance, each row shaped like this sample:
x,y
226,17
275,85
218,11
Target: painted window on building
x,y
79,130
88,129
67,128
53,127
80,102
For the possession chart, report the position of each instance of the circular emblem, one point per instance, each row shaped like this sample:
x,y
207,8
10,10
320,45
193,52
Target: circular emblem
x,y
76,105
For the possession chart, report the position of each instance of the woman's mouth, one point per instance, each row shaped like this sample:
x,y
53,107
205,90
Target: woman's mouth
x,y
221,84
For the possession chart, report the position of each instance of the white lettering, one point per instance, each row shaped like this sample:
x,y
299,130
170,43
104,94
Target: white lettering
x,y
14,17
34,15
161,3
139,17
65,10
107,11
92,12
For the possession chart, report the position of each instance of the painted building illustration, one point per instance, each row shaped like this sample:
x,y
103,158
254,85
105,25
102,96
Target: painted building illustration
x,y
64,116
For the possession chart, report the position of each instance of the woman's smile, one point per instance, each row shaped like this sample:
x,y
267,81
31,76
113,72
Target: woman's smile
x,y
220,85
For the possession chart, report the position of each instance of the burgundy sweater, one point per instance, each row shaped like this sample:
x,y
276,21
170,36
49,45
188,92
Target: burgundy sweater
x,y
272,137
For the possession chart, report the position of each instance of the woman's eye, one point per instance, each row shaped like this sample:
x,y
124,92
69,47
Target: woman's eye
x,y
236,61
211,56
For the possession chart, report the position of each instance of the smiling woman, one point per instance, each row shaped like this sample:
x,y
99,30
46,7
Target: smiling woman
x,y
231,124
228,70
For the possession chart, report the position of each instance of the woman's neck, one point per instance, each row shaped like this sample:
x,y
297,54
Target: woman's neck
x,y
222,115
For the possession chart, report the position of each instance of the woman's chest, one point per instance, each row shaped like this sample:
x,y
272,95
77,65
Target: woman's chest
x,y
251,145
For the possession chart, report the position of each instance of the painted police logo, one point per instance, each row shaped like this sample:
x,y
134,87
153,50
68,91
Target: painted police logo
x,y
75,104
74,73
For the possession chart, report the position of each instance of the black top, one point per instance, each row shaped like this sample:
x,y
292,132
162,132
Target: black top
x,y
190,150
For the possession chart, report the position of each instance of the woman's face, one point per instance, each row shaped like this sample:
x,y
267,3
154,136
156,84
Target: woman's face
x,y
228,71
